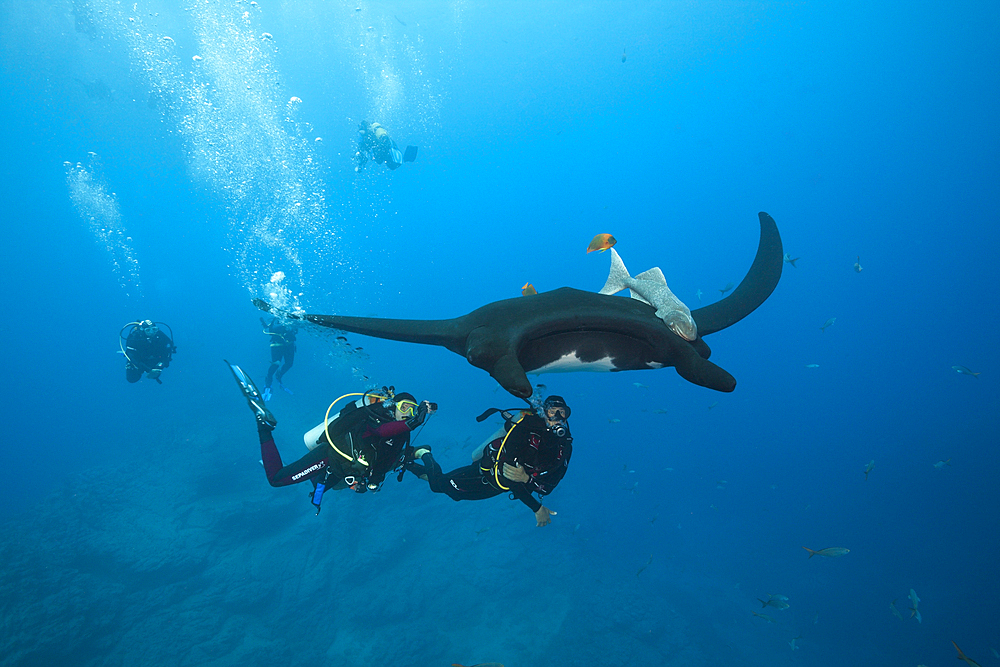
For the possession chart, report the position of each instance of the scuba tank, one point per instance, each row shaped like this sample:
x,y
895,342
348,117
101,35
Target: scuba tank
x,y
313,438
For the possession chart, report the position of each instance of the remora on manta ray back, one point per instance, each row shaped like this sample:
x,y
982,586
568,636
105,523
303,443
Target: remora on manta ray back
x,y
572,330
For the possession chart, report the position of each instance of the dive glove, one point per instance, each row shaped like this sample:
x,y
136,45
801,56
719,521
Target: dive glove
x,y
418,417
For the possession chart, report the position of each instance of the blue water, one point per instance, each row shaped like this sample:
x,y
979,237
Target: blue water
x,y
140,182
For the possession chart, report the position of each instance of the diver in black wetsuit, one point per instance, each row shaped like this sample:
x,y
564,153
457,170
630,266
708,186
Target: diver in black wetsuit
x,y
147,350
356,449
531,458
374,144
282,348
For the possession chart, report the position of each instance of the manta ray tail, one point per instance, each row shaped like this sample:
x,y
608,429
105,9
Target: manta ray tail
x,y
446,333
758,284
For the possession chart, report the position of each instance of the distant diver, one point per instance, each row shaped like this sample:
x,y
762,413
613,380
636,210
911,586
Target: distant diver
x,y
374,144
282,340
146,349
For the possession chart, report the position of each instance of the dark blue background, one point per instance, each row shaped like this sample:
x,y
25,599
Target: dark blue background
x,y
864,130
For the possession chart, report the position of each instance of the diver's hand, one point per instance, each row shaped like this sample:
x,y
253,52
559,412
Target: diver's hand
x,y
542,516
424,409
515,474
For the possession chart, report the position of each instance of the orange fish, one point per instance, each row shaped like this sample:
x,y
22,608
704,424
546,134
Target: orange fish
x,y
528,290
601,243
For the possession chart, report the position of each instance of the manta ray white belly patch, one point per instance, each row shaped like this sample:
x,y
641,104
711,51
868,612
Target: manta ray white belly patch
x,y
651,287
570,363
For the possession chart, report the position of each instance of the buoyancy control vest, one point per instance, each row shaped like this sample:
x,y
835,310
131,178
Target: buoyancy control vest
x,y
530,444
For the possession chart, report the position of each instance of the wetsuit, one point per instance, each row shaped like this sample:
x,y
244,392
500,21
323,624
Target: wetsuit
x,y
383,441
530,443
374,143
282,347
146,353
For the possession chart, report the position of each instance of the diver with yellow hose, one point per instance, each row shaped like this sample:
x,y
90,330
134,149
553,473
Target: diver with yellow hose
x,y
531,457
355,449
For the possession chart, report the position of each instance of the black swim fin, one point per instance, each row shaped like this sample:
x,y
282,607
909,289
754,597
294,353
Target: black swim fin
x,y
411,154
253,396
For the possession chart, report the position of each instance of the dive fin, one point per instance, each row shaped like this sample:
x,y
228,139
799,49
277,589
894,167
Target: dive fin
x,y
253,396
411,154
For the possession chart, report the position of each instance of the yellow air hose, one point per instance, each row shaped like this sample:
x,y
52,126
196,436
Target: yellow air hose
x,y
326,424
496,466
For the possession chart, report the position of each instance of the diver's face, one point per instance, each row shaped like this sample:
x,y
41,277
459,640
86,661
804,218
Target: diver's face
x,y
556,415
404,410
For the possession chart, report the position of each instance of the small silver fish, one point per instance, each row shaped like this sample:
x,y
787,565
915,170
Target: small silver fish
x,y
857,265
790,260
828,323
772,602
941,464
914,601
725,289
869,468
964,371
812,365
699,293
829,552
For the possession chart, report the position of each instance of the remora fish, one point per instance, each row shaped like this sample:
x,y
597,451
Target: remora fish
x,y
651,287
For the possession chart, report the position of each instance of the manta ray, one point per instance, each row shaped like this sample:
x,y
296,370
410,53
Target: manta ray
x,y
568,329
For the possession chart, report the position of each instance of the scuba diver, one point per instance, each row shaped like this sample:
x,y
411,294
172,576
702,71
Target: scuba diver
x,y
529,455
146,348
374,144
282,347
355,449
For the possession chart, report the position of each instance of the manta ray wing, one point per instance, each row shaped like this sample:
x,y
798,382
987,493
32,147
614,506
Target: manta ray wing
x,y
755,287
